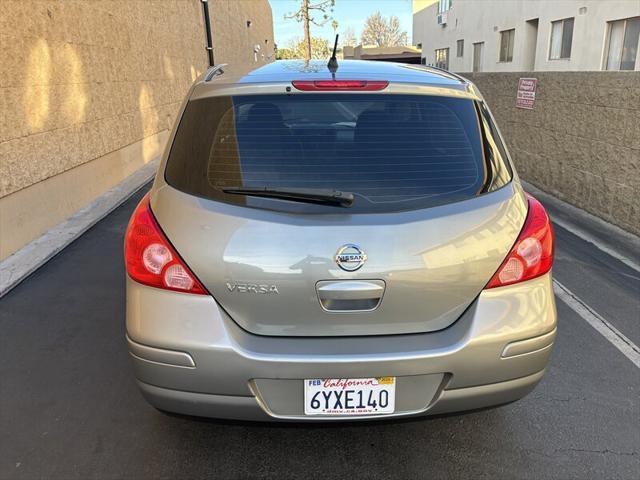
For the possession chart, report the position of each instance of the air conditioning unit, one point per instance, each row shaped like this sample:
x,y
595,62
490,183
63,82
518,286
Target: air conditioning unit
x,y
442,19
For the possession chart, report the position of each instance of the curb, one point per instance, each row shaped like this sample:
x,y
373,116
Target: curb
x,y
19,265
609,238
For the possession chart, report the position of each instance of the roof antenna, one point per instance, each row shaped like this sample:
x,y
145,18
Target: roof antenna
x,y
333,61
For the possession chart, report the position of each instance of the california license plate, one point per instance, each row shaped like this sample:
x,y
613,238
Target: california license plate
x,y
349,396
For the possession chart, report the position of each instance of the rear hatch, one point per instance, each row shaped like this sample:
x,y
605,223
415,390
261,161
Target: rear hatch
x,y
433,215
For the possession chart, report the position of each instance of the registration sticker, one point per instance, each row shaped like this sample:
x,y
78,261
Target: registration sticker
x,y
349,396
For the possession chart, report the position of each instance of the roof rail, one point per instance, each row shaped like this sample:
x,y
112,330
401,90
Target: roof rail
x,y
460,78
214,72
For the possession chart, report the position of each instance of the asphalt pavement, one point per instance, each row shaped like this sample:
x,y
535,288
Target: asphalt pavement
x,y
69,406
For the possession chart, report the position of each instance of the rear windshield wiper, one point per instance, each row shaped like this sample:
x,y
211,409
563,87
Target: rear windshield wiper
x,y
310,195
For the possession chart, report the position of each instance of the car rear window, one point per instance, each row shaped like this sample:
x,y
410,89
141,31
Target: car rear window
x,y
393,152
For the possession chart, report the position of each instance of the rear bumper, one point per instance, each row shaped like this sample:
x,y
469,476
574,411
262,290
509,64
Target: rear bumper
x,y
190,358
252,408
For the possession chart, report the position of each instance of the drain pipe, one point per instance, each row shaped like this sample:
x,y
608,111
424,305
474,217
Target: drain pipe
x,y
207,28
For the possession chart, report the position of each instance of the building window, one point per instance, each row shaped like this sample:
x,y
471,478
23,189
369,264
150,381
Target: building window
x,y
561,39
460,48
442,58
506,45
444,5
478,49
622,44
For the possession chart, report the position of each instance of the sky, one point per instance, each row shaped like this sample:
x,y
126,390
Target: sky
x,y
348,13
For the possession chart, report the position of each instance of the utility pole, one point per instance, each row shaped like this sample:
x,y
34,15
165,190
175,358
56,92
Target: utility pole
x,y
307,35
207,29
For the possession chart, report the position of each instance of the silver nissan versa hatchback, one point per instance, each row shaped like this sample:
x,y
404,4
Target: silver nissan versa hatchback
x,y
331,245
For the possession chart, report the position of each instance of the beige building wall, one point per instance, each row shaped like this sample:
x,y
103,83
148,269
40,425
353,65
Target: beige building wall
x,y
481,21
242,31
89,90
581,142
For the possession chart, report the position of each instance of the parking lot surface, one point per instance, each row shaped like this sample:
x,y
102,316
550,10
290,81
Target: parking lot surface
x,y
69,406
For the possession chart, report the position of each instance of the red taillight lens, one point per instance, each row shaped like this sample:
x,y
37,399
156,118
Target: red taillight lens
x,y
532,254
321,85
149,257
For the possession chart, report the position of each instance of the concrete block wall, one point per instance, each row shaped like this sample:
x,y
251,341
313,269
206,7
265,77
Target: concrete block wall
x,y
581,142
89,89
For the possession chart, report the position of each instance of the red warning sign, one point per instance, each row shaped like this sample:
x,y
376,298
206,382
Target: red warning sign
x,y
526,93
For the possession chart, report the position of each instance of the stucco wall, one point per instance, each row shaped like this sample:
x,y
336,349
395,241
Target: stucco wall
x,y
96,84
234,39
481,21
581,142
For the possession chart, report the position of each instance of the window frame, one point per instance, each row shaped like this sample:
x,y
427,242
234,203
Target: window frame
x,y
500,177
562,22
497,159
460,48
607,46
481,55
446,52
511,33
444,6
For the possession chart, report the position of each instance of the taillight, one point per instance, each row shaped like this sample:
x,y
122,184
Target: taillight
x,y
323,85
532,254
149,257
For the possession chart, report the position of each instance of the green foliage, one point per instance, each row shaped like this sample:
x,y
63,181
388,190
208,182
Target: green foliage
x,y
319,49
284,54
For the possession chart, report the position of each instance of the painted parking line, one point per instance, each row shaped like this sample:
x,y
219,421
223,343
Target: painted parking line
x,y
582,224
587,237
602,326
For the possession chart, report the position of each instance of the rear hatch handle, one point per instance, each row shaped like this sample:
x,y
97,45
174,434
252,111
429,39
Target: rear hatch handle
x,y
350,295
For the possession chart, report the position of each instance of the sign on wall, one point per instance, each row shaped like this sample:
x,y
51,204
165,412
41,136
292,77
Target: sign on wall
x,y
526,93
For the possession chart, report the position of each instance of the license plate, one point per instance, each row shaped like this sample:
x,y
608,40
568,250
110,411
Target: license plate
x,y
349,396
